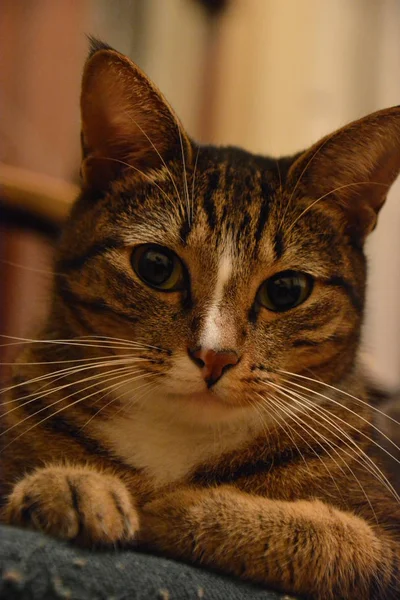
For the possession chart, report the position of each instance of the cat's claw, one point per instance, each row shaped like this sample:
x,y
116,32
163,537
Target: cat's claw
x,y
75,503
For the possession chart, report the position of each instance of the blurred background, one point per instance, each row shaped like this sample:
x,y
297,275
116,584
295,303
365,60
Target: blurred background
x,y
270,75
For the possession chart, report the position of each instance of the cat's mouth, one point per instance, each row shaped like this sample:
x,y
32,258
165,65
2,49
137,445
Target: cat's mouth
x,y
209,399
206,397
204,408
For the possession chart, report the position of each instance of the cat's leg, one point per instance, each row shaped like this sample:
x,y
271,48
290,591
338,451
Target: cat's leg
x,y
303,547
74,502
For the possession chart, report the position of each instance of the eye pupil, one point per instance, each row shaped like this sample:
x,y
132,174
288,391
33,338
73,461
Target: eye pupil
x,y
159,267
155,266
285,290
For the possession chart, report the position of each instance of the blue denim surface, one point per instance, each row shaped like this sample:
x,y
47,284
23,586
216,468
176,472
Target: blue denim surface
x,y
37,567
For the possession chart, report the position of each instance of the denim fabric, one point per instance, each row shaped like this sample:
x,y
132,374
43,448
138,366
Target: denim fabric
x,y
37,567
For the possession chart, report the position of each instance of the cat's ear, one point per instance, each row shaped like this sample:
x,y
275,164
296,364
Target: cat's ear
x,y
126,122
352,169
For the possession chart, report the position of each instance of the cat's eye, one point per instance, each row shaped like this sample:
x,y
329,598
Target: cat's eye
x,y
285,290
158,267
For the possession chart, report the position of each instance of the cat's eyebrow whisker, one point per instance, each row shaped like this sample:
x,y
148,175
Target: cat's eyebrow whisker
x,y
148,177
300,177
337,189
157,151
48,273
332,444
185,182
193,181
362,459
59,374
39,394
53,414
299,421
337,403
11,263
336,389
303,172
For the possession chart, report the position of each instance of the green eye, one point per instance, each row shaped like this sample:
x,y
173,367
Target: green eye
x,y
285,290
158,267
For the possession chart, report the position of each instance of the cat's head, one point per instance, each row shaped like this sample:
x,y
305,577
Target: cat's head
x,y
226,269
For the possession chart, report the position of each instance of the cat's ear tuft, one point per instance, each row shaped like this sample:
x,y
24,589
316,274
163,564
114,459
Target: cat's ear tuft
x,y
126,122
352,170
95,45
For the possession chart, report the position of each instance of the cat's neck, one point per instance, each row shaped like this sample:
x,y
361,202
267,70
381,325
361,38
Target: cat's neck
x,y
167,448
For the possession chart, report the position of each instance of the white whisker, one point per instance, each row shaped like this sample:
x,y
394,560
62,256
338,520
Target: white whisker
x,y
97,376
117,398
326,415
329,399
73,360
363,459
193,180
69,405
332,445
68,371
332,387
157,152
185,182
91,342
299,422
337,189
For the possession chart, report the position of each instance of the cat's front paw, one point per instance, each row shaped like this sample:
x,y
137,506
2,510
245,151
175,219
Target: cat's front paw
x,y
180,523
74,503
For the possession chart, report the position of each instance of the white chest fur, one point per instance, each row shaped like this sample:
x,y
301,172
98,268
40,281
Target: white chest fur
x,y
168,449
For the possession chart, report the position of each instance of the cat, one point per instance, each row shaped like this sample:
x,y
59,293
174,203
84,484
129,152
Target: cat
x,y
196,390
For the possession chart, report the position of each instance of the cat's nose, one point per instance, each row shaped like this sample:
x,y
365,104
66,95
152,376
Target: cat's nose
x,y
213,364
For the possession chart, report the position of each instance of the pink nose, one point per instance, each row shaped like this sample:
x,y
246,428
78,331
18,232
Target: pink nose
x,y
213,364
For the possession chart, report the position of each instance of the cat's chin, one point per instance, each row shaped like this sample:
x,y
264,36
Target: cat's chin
x,y
205,407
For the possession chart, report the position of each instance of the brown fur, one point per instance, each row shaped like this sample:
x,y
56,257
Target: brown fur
x,y
272,474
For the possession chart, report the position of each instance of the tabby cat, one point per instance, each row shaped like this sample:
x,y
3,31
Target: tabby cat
x,y
196,390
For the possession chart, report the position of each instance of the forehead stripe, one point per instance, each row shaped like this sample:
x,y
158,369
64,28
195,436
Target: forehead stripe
x,y
262,220
279,246
208,201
